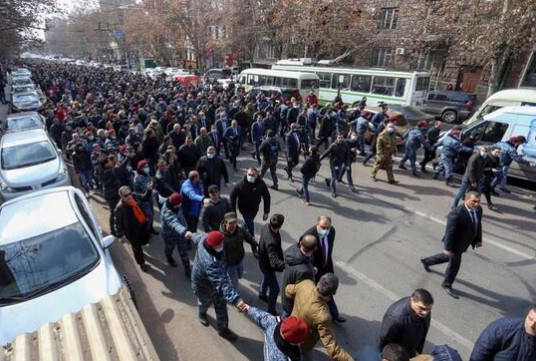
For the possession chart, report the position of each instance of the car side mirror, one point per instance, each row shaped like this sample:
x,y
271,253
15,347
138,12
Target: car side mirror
x,y
108,241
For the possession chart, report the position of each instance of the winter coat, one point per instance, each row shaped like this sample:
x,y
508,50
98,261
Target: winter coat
x,y
271,327
298,267
451,147
173,223
202,144
233,244
338,154
211,170
509,153
505,340
475,168
248,196
188,156
313,308
386,144
311,166
210,279
416,140
126,224
212,214
82,161
164,183
402,326
112,179
270,251
193,198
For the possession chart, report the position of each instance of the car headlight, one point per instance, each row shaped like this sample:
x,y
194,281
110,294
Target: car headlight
x,y
5,188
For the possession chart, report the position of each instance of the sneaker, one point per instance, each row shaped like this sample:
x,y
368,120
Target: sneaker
x,y
493,207
203,319
309,203
228,335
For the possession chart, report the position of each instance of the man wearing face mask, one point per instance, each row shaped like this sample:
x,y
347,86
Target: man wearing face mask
x,y
141,181
464,229
385,150
247,195
298,267
214,212
211,169
324,233
338,153
211,283
174,232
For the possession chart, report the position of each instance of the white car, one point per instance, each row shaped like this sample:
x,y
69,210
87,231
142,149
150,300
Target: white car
x,y
53,260
81,63
20,80
30,161
22,72
23,121
24,102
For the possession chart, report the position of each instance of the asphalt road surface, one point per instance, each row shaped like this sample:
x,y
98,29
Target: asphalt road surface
x,y
382,232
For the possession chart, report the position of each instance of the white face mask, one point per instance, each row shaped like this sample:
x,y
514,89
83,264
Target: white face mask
x,y
484,155
210,155
390,130
251,179
219,249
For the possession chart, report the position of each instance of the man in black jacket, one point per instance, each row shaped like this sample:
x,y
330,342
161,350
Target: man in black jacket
x,y
83,167
322,256
464,228
293,149
248,194
406,322
213,213
298,267
178,137
269,149
271,260
188,155
338,153
211,169
432,135
164,180
112,179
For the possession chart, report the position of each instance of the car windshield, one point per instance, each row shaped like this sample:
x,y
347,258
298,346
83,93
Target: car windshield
x,y
25,89
25,98
27,155
23,123
37,265
22,81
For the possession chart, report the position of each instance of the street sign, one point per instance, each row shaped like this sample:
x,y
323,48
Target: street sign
x,y
119,34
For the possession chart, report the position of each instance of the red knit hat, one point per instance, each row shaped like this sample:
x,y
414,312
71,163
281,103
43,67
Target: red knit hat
x,y
142,164
214,239
294,330
175,199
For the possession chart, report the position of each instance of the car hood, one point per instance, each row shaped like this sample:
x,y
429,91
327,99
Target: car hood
x,y
28,316
32,175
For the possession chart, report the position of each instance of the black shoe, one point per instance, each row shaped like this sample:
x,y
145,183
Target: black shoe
x,y
203,319
153,231
493,207
505,190
495,193
451,292
274,187
334,195
171,261
415,174
449,183
328,182
341,181
299,194
353,189
435,176
145,267
187,271
402,166
425,265
393,182
339,319
263,297
228,335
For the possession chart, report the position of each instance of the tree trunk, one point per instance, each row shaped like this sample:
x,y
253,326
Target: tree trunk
x,y
497,62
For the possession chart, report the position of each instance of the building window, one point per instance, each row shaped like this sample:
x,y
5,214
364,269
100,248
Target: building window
x,y
388,18
427,60
382,57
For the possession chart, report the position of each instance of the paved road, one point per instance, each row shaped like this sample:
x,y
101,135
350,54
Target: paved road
x,y
381,234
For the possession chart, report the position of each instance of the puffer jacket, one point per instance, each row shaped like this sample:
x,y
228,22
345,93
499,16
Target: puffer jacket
x,y
505,340
298,267
210,279
173,223
313,308
233,244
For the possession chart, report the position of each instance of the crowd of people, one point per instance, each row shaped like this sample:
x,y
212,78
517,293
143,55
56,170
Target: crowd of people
x,y
143,143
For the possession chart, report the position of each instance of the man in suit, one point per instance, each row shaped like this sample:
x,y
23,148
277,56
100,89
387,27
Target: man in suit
x,y
322,261
293,149
257,135
233,134
464,228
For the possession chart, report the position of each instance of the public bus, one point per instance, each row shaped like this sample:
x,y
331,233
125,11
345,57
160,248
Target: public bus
x,y
304,82
377,84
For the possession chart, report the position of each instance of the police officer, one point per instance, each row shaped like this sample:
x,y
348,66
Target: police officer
x,y
415,141
432,136
451,147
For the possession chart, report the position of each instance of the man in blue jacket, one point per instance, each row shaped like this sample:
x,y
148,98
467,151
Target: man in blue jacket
x,y
451,147
508,339
192,193
507,155
415,140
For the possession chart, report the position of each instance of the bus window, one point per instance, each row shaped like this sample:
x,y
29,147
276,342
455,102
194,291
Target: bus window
x,y
342,80
309,84
423,83
383,85
293,83
269,80
325,79
361,83
400,87
262,80
277,81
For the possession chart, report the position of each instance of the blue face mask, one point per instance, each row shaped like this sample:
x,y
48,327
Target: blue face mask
x,y
210,155
146,170
322,232
251,179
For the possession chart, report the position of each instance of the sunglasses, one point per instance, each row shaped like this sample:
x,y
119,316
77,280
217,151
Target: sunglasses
x,y
127,195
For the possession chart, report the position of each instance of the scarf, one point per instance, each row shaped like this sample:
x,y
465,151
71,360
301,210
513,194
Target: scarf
x,y
138,213
291,351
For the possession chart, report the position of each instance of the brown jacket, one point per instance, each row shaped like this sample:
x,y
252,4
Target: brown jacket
x,y
312,307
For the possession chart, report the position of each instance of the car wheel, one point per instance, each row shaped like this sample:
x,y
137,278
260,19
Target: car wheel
x,y
449,116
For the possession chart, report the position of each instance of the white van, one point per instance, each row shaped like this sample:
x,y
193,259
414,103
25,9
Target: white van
x,y
507,122
504,98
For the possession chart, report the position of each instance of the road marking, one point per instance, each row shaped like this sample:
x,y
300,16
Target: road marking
x,y
487,240
447,331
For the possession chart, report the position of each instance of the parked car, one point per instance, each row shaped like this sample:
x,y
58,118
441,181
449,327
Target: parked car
x,y
218,74
22,72
282,94
21,80
53,259
411,114
451,106
23,121
25,102
30,161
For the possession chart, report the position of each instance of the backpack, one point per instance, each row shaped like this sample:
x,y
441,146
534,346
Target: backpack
x,y
274,151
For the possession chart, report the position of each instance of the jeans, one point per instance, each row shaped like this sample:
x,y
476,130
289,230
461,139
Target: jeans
x,y
304,191
269,281
250,224
455,261
273,168
336,171
235,273
501,177
85,180
347,169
